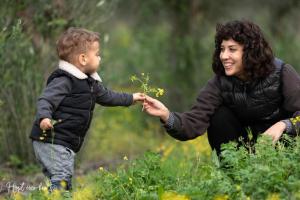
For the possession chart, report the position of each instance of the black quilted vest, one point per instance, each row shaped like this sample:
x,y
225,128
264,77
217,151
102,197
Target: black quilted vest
x,y
73,115
257,103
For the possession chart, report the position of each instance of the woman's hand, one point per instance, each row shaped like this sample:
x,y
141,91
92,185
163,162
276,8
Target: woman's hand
x,y
156,108
276,131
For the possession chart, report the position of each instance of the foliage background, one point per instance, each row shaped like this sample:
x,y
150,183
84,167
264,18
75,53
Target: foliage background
x,y
172,40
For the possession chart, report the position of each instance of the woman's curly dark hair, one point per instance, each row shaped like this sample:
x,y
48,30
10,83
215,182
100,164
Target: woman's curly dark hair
x,y
257,53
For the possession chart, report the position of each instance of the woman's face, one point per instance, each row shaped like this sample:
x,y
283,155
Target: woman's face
x,y
231,57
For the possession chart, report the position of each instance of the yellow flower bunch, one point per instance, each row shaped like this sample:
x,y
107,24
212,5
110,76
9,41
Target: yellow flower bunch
x,y
273,196
17,196
294,121
170,195
144,81
101,169
85,193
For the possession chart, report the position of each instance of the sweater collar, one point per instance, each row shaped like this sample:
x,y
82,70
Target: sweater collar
x,y
72,69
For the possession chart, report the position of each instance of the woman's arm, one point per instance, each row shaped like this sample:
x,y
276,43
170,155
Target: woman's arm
x,y
193,123
291,103
291,93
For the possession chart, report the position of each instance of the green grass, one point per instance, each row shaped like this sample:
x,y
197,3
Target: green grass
x,y
189,171
117,132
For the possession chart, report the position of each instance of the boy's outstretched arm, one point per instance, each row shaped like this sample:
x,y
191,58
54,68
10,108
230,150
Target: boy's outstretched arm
x,y
106,97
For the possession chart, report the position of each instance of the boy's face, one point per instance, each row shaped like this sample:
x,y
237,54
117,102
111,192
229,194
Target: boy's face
x,y
92,58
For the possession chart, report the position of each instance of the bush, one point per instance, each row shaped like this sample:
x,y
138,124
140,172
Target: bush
x,y
268,172
20,85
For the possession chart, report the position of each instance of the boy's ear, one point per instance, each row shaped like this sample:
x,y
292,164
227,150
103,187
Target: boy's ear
x,y
82,59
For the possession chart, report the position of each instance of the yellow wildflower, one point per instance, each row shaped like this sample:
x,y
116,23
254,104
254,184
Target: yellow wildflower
x,y
273,196
221,197
80,181
63,184
44,190
295,120
130,180
238,187
167,152
200,145
174,196
56,194
161,148
133,78
17,196
159,92
85,193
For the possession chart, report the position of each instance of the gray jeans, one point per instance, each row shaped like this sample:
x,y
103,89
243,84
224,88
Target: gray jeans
x,y
57,162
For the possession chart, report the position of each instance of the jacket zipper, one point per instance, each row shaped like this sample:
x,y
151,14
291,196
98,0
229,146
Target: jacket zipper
x,y
88,122
79,137
244,95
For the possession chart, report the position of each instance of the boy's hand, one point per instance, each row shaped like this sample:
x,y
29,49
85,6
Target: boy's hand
x,y
138,97
46,124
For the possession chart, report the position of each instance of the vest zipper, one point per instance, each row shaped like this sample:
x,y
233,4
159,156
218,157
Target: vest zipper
x,y
245,95
88,122
79,140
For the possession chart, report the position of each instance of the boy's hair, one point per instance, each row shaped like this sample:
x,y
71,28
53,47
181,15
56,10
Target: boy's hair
x,y
257,53
75,41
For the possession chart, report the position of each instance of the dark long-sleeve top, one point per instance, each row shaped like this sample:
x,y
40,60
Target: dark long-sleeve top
x,y
59,87
193,123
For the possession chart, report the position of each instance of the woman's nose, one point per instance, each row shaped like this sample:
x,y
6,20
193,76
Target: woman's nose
x,y
224,55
